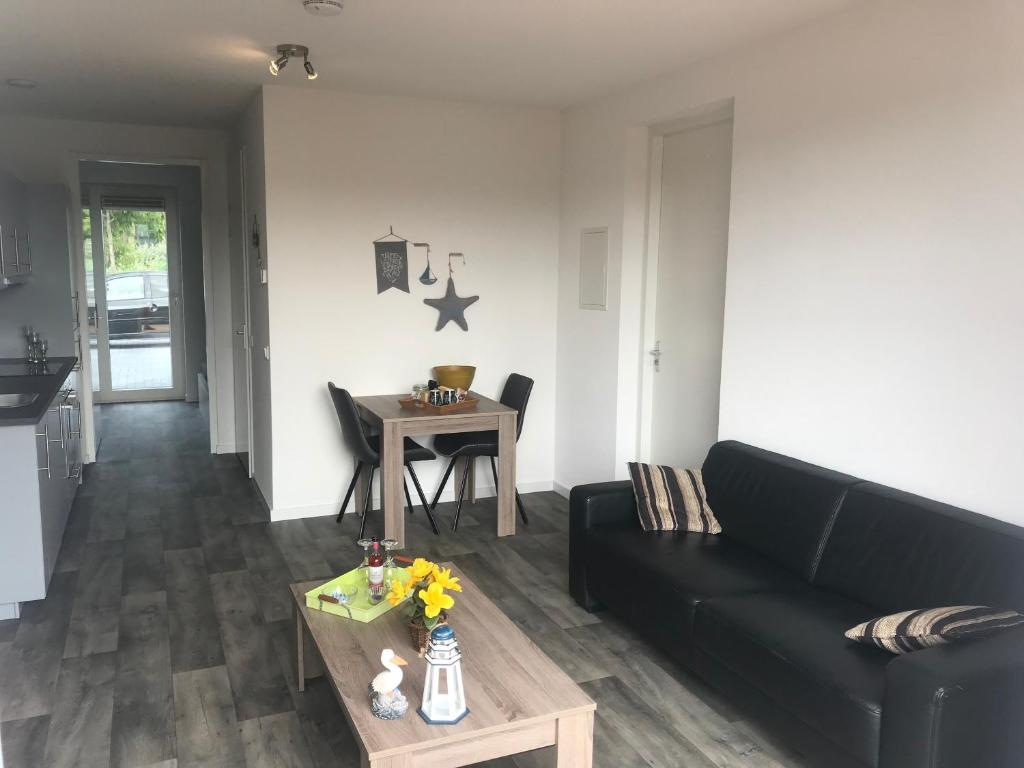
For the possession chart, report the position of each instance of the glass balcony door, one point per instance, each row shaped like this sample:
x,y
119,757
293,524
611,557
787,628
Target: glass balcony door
x,y
133,290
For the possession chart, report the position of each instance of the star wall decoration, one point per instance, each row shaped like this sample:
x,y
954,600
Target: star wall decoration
x,y
451,307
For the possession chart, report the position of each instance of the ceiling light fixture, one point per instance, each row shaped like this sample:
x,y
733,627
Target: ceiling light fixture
x,y
323,7
21,82
288,51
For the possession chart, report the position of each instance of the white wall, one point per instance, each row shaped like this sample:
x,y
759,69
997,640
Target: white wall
x,y
341,168
873,312
46,150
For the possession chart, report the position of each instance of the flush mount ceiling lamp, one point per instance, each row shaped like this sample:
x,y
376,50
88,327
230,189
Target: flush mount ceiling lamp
x,y
288,51
323,7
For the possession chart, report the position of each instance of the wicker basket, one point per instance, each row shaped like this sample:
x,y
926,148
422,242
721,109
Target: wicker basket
x,y
420,634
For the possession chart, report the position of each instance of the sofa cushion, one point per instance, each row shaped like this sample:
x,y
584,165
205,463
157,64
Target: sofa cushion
x,y
896,551
656,579
791,648
909,631
776,505
670,499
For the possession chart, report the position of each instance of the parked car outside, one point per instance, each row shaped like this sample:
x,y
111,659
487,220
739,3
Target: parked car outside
x,y
137,303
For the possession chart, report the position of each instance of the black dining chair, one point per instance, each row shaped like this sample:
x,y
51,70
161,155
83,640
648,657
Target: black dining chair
x,y
470,445
366,449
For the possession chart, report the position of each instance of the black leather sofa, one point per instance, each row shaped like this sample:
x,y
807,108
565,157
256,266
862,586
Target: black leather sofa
x,y
805,553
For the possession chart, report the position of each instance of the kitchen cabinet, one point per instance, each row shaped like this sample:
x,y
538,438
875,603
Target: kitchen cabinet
x,y
15,237
40,470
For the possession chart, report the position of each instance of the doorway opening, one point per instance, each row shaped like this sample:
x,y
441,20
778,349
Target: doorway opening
x,y
134,294
688,233
144,331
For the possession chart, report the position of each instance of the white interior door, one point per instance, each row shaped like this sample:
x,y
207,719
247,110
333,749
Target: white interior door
x,y
243,330
133,291
685,348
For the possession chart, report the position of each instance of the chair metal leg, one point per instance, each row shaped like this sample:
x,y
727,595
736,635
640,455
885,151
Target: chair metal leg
x,y
462,494
366,504
519,501
408,498
444,480
348,493
522,510
423,499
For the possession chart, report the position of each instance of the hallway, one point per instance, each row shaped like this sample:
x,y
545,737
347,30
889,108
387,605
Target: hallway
x,y
167,636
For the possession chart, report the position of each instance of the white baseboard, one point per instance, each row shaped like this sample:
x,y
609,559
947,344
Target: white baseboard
x,y
9,611
226,448
561,490
331,508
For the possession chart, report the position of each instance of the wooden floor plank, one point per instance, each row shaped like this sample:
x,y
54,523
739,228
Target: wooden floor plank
x,y
23,742
29,677
221,549
142,731
94,619
269,571
257,683
275,741
79,732
204,720
194,634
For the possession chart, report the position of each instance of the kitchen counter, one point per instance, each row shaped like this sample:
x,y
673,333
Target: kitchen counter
x,y
46,385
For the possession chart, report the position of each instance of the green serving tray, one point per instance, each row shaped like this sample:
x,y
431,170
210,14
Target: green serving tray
x,y
361,608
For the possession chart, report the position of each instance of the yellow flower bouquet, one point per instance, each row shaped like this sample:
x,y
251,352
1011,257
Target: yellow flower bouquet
x,y
429,585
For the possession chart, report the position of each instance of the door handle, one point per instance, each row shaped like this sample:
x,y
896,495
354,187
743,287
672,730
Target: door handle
x,y
656,354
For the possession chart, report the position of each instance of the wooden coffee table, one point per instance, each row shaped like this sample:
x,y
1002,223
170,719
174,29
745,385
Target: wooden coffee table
x,y
519,700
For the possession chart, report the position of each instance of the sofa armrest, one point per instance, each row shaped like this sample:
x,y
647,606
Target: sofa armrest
x,y
590,506
956,705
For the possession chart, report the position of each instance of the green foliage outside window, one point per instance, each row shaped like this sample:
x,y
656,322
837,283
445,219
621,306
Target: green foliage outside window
x,y
133,241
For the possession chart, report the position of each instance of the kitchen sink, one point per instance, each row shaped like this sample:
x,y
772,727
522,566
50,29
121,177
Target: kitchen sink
x,y
17,399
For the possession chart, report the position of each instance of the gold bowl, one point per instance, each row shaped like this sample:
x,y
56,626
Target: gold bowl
x,y
455,376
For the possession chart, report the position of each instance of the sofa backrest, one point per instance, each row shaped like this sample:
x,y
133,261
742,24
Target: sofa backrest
x,y
896,551
774,504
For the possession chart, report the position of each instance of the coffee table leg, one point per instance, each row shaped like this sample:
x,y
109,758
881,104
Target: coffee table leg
x,y
575,744
300,646
392,471
395,761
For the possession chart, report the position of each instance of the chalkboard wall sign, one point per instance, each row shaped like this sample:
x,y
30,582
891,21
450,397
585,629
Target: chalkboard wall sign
x,y
392,265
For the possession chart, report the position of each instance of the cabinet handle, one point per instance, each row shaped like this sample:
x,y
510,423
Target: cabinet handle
x,y
45,434
28,251
3,261
17,252
76,407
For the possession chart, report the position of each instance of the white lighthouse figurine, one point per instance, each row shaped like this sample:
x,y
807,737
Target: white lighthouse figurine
x,y
443,703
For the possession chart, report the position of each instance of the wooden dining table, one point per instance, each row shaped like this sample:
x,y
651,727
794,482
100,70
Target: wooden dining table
x,y
395,423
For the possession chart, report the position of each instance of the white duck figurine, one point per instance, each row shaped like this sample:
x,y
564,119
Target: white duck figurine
x,y
386,701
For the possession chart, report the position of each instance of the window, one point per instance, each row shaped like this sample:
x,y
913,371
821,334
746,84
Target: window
x,y
125,287
158,285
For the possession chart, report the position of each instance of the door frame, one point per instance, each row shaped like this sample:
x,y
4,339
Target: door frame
x,y
72,176
106,393
246,333
718,112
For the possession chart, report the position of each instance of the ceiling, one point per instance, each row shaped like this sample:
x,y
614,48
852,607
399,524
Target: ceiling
x,y
198,62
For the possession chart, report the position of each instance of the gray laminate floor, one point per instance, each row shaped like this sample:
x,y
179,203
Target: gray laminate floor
x,y
166,638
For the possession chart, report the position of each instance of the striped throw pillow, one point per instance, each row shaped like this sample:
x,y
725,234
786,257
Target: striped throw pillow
x,y
913,630
671,499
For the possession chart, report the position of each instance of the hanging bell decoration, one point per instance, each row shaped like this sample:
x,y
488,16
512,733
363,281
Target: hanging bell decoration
x,y
444,698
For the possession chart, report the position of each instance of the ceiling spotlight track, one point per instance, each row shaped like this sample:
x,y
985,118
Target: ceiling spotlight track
x,y
287,51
